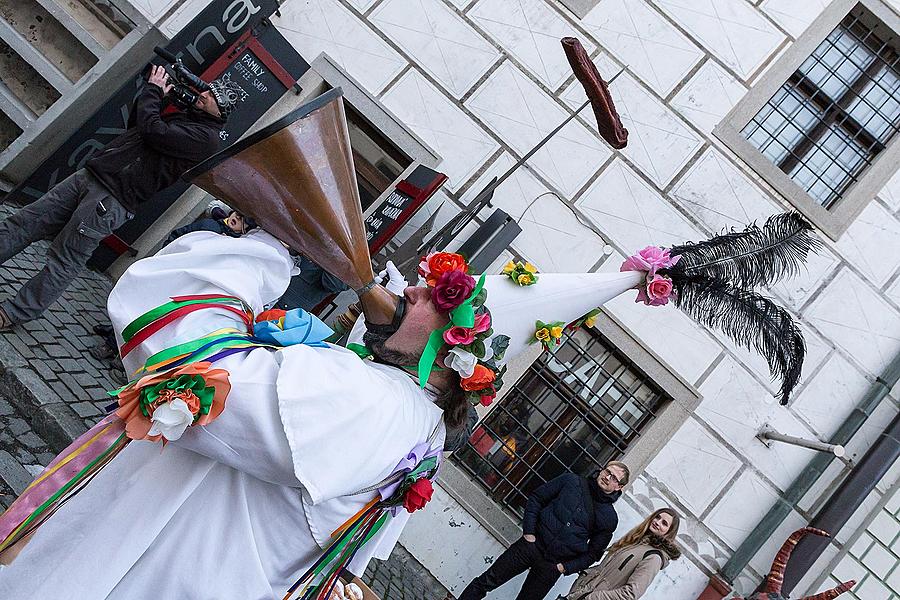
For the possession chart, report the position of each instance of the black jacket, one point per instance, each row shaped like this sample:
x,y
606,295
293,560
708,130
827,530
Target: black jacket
x,y
556,513
154,151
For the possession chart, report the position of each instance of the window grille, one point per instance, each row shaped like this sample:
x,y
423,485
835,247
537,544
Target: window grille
x,y
836,113
574,409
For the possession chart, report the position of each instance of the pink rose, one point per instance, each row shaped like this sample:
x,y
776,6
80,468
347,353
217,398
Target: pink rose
x,y
649,259
456,336
451,290
482,322
658,291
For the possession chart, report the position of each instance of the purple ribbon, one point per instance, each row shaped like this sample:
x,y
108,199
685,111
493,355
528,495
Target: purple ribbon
x,y
406,465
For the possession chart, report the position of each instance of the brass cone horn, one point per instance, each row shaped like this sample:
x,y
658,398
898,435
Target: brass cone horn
x,y
295,177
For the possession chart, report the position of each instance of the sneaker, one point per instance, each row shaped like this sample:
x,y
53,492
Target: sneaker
x,y
103,330
102,351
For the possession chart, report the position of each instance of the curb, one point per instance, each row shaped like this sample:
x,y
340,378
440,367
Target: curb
x,y
50,416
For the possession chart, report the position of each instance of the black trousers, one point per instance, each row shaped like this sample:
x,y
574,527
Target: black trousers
x,y
518,558
78,212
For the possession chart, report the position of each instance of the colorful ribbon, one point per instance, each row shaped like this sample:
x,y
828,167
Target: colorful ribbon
x,y
461,316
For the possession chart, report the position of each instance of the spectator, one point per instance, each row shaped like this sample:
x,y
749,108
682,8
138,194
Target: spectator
x,y
568,523
90,204
234,224
632,562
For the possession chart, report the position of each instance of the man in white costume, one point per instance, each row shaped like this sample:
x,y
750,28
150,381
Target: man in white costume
x,y
239,508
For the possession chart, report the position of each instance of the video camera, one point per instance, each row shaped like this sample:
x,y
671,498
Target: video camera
x,y
186,87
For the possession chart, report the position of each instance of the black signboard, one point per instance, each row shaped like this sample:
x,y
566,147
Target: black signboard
x,y
402,203
199,45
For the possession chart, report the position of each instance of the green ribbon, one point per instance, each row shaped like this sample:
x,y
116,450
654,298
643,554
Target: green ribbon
x,y
461,316
182,383
153,314
360,350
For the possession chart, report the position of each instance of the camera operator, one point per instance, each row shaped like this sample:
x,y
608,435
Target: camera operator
x,y
90,204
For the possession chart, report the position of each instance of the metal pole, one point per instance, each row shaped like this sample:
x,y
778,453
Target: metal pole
x,y
540,144
808,477
767,433
845,501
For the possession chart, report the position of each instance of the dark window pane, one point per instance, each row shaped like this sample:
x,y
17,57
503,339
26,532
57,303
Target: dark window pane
x,y
574,409
833,116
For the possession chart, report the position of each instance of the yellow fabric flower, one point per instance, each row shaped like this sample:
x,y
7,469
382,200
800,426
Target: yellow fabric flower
x,y
525,279
590,321
556,332
542,334
509,268
530,267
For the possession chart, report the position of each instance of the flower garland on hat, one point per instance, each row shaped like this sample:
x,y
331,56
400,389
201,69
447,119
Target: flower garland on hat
x,y
657,288
474,348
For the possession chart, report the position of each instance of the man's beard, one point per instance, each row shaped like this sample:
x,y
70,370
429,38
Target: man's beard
x,y
375,338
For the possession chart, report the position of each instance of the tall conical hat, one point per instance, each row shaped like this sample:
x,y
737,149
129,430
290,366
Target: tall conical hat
x,y
495,317
556,298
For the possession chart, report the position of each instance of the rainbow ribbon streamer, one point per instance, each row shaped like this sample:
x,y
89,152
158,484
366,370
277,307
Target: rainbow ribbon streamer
x,y
319,580
75,466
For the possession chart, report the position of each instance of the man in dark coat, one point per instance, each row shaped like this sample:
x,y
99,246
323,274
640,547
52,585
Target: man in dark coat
x,y
87,206
568,523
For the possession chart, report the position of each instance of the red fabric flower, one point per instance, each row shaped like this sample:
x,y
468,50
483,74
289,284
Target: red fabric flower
x,y
488,396
480,379
436,264
418,495
273,314
451,290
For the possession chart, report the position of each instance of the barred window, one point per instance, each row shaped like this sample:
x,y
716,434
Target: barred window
x,y
836,113
574,409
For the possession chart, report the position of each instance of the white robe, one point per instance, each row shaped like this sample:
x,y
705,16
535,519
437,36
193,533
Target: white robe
x,y
240,508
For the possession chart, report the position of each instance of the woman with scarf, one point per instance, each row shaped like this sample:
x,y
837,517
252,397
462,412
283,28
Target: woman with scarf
x,y
632,562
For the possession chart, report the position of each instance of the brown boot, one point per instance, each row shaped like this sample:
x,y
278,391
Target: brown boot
x,y
5,322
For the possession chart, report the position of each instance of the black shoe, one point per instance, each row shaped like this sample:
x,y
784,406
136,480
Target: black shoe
x,y
6,323
102,351
103,330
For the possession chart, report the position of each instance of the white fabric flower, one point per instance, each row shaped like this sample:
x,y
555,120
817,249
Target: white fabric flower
x,y
171,419
461,361
488,349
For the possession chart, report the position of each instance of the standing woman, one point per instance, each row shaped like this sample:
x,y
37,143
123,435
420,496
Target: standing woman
x,y
632,562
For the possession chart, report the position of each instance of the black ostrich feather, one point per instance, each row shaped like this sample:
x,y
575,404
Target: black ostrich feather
x,y
757,256
750,319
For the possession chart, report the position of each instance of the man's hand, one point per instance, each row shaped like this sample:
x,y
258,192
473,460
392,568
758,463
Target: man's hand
x,y
160,78
529,538
560,568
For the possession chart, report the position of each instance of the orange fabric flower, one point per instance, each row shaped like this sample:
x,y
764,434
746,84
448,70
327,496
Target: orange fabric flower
x,y
273,314
443,262
137,425
480,379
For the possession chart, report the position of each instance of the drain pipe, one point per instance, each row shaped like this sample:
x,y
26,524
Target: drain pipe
x,y
841,505
720,584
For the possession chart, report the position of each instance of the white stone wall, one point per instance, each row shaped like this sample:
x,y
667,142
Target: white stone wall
x,y
482,80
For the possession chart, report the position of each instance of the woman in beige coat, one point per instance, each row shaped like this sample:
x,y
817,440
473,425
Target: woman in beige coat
x,y
632,562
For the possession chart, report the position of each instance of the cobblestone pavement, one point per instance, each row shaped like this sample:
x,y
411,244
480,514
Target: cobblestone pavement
x,y
51,390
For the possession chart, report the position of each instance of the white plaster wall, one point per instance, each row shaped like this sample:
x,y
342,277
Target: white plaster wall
x,y
481,80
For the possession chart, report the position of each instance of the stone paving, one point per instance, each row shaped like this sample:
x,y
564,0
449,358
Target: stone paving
x,y
51,390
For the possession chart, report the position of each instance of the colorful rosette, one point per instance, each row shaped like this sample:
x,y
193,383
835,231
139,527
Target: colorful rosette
x,y
475,350
162,406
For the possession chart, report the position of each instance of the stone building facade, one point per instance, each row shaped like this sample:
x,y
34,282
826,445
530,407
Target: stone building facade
x,y
480,82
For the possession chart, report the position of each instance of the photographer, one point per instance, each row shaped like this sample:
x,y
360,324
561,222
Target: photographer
x,y
90,204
